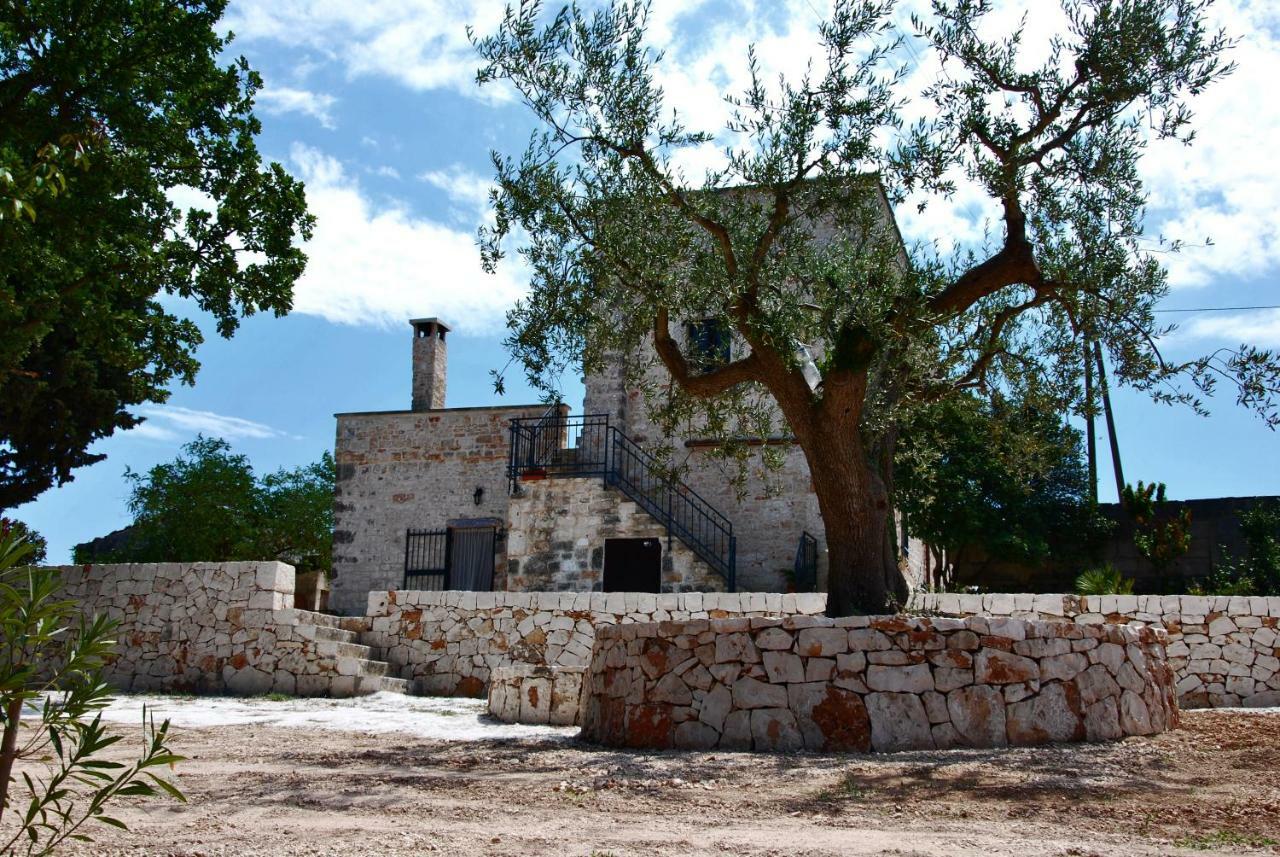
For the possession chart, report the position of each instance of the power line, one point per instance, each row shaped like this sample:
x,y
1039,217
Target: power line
x,y
1220,308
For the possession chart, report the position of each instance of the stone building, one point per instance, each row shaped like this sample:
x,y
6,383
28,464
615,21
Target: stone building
x,y
528,498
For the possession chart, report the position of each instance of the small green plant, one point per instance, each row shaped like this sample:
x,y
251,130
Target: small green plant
x,y
849,786
1103,581
1160,535
1225,839
51,695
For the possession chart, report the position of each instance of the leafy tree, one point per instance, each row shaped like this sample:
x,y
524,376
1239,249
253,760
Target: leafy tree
x,y
1159,536
1003,477
51,691
37,545
787,244
1257,572
207,505
111,114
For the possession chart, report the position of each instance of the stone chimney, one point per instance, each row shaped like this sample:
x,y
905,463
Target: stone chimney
x,y
430,359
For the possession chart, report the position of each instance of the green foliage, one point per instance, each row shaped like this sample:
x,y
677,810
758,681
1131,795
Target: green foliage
x,y
1160,538
129,176
787,241
1003,477
36,545
207,505
1258,571
1103,581
51,691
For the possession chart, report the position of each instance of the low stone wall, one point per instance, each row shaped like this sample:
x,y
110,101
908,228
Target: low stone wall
x,y
525,693
219,628
873,683
1224,650
449,643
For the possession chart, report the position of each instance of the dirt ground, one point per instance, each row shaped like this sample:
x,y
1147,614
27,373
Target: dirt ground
x,y
1212,785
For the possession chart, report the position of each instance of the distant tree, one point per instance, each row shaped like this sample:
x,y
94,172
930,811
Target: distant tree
x,y
37,547
51,693
786,245
207,505
116,116
1001,477
1161,533
1257,570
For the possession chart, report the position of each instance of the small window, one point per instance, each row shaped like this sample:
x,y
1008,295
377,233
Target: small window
x,y
708,344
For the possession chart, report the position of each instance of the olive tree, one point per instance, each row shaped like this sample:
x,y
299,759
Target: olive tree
x,y
844,328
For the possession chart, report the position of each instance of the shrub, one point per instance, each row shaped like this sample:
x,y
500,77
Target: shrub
x,y
1103,581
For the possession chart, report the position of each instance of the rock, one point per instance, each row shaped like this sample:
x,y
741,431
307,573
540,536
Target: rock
x,y
693,735
750,693
1135,717
993,666
946,679
822,642
737,731
935,706
898,722
819,669
1102,721
670,688
774,639
868,640
1128,678
736,648
831,719
775,730
1056,715
1062,667
1096,684
783,667
945,737
978,715
964,641
904,679
715,707
1109,654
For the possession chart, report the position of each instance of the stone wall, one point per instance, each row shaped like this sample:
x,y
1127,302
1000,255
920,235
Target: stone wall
x,y
526,693
401,470
558,529
449,643
873,683
1225,650
220,628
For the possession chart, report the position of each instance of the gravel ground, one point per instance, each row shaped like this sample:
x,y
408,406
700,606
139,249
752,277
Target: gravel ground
x,y
283,778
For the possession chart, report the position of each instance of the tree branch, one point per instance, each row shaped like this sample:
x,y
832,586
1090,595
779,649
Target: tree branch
x,y
702,385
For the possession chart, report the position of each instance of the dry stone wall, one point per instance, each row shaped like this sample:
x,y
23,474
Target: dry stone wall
x,y
220,628
1224,650
873,683
527,693
449,643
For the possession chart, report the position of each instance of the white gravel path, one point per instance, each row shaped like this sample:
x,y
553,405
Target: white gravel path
x,y
439,718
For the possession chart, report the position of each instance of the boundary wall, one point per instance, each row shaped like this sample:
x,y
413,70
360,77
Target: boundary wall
x,y
1224,650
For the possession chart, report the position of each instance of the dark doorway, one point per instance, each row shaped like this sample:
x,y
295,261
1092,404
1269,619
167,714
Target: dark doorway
x,y
632,565
471,558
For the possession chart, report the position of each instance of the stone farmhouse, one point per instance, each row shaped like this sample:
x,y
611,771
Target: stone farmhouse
x,y
534,498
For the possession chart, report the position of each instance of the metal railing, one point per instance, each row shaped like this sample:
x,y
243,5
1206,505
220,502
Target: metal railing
x,y
806,568
588,446
426,560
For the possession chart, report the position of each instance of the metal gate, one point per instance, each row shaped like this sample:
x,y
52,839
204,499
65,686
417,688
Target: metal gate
x,y
456,558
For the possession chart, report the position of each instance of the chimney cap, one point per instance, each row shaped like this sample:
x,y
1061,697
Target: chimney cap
x,y
424,322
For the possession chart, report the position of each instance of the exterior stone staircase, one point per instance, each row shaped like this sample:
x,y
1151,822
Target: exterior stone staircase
x,y
338,637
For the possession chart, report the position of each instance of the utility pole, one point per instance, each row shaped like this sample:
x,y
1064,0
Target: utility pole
x,y
1088,421
1111,423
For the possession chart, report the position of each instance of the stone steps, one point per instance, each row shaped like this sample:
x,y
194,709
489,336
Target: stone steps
x,y
360,669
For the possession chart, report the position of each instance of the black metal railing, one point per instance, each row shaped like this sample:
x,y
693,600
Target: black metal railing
x,y
426,560
588,446
806,568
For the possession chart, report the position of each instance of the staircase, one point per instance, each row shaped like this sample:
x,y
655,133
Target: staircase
x,y
557,444
338,637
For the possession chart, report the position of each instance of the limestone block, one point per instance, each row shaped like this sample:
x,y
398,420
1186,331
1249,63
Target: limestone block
x,y
775,730
993,666
784,667
900,679
898,722
822,642
750,693
978,715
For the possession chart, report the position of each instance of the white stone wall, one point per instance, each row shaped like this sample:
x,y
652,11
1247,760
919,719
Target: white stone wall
x,y
217,628
557,532
1224,650
526,693
450,642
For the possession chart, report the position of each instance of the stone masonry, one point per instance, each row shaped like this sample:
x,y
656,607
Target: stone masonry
x,y
864,683
558,529
1224,650
222,628
449,643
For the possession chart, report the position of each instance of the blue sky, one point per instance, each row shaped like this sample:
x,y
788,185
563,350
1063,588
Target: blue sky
x,y
373,105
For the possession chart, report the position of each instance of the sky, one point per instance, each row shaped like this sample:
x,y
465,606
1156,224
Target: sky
x,y
373,105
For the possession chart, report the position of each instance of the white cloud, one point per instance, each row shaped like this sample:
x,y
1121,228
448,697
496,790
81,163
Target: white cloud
x,y
464,188
1260,328
375,262
170,422
420,43
285,99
